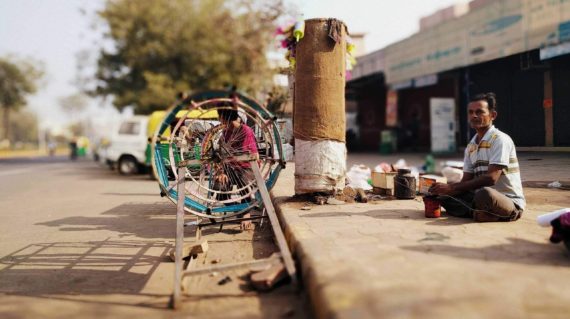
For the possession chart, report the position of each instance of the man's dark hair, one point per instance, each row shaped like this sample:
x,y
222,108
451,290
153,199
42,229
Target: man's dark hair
x,y
490,98
228,115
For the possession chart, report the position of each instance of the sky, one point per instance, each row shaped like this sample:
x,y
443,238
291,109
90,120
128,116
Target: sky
x,y
54,31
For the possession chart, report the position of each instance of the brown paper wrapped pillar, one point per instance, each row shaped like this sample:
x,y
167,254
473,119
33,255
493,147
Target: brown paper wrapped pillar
x,y
319,121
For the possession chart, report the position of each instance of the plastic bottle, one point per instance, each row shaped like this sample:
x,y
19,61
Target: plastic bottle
x,y
299,30
430,164
349,45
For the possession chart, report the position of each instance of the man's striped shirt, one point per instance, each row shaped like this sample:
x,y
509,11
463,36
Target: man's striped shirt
x,y
496,148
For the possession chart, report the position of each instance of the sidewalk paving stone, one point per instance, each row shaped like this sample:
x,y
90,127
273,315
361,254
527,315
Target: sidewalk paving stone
x,y
384,259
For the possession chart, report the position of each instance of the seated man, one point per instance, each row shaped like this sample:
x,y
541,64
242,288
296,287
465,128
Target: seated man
x,y
491,188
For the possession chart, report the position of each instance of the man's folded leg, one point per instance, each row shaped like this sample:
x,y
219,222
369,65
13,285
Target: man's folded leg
x,y
492,206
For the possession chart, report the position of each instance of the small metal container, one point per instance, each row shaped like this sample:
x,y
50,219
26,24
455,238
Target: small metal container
x,y
405,184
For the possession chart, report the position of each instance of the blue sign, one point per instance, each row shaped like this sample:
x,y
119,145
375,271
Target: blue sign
x,y
498,24
564,31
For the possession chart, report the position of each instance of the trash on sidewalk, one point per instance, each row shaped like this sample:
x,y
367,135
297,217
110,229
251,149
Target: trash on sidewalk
x,y
429,165
454,164
334,201
401,163
224,280
350,195
544,220
555,184
452,174
383,167
358,176
361,196
191,249
321,200
561,230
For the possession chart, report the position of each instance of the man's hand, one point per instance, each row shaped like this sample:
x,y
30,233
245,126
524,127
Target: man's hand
x,y
222,178
441,189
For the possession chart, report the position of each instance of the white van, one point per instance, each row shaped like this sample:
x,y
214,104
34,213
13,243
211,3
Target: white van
x,y
127,150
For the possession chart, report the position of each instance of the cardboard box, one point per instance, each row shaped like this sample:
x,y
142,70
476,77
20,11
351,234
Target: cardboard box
x,y
383,180
427,180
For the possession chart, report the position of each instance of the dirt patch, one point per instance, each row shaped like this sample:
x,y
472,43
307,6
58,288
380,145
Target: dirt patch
x,y
542,196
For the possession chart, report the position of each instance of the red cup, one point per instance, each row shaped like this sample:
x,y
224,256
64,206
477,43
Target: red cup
x,y
432,207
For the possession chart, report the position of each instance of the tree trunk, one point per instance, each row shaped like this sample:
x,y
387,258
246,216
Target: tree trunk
x,y
6,119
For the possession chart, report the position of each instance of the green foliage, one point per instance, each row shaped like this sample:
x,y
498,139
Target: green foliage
x,y
24,126
76,129
18,79
73,104
163,47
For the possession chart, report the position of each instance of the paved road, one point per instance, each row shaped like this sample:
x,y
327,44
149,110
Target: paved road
x,y
78,240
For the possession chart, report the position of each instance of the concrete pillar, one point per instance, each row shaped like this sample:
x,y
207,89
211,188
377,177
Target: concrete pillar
x,y
319,122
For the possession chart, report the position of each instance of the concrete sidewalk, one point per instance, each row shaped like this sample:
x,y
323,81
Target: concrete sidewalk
x,y
384,259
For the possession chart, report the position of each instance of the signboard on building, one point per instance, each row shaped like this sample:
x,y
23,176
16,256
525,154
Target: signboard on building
x,y
442,112
554,51
491,30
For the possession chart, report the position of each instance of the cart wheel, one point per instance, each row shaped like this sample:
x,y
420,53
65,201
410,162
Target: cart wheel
x,y
197,137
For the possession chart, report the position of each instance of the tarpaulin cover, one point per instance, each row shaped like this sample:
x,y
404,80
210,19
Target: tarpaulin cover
x,y
319,102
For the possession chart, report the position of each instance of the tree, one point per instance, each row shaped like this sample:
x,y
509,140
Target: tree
x,y
163,47
24,126
18,79
73,105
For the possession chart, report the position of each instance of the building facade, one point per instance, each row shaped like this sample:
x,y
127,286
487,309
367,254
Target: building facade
x,y
519,49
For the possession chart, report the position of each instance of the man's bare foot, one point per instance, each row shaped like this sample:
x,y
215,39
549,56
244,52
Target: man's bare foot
x,y
247,224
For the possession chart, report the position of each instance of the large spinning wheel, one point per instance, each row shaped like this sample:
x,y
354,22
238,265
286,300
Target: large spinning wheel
x,y
193,135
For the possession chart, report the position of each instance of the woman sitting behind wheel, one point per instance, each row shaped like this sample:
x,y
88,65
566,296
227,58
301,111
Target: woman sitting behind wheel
x,y
237,139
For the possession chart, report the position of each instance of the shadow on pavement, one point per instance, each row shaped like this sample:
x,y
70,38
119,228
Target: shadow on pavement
x,y
143,220
68,268
520,251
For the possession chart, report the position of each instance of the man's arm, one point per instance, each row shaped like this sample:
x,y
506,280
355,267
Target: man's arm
x,y
469,182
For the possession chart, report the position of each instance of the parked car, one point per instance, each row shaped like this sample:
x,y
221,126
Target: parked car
x,y
127,149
